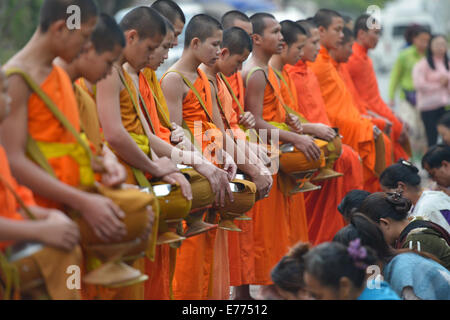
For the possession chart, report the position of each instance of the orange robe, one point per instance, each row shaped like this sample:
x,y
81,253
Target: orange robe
x,y
198,256
272,234
9,206
240,244
357,131
363,107
237,84
43,126
324,220
360,68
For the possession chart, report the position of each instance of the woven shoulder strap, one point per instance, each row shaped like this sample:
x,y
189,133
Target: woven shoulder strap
x,y
32,148
230,89
160,110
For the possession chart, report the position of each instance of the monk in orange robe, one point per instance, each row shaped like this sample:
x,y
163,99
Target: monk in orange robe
x,y
195,269
357,131
339,59
235,48
272,233
361,69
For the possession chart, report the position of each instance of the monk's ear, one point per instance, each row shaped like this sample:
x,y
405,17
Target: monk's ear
x,y
224,53
131,36
257,39
58,27
195,43
322,30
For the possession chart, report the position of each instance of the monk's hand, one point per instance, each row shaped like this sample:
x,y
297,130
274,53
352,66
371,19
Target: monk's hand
x,y
294,122
229,165
324,132
58,231
376,132
218,180
177,178
165,166
177,134
103,216
247,120
114,173
263,183
307,145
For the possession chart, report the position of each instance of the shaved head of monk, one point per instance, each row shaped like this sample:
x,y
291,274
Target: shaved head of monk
x,y
106,45
203,37
330,24
171,11
294,41
144,30
312,45
368,38
344,50
235,49
54,22
238,19
158,57
5,100
267,33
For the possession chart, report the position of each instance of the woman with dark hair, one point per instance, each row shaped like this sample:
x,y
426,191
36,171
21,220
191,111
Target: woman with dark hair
x,y
443,128
390,213
431,79
411,274
403,177
334,271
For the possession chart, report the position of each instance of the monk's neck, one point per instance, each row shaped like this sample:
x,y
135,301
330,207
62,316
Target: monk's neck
x,y
70,68
210,72
261,57
188,62
39,50
277,63
359,42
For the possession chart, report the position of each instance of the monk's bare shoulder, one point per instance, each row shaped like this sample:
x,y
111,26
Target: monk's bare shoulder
x,y
173,84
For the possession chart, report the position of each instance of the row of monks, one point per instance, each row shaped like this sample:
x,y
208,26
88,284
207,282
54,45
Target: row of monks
x,y
90,132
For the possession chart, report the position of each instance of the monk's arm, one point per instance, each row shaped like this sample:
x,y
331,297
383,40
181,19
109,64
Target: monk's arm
x,y
173,89
108,105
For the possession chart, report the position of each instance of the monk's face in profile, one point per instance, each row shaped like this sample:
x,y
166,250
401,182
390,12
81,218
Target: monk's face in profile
x,y
293,53
369,39
69,43
208,51
178,26
158,57
331,37
312,46
272,40
139,50
343,51
5,100
96,66
229,64
247,26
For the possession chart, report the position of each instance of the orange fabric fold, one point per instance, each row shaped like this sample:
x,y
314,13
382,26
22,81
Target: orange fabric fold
x,y
324,220
237,84
357,131
43,126
360,68
146,92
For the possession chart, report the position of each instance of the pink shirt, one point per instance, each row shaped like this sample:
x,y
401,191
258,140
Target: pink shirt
x,y
431,94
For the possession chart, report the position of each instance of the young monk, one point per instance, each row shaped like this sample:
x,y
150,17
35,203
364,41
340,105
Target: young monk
x,y
202,40
238,19
322,215
294,41
235,49
360,64
339,58
31,116
358,132
51,227
172,12
261,100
